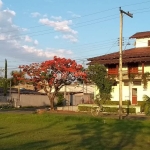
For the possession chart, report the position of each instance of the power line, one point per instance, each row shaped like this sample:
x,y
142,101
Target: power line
x,y
32,34
74,58
75,26
86,15
86,56
135,4
143,8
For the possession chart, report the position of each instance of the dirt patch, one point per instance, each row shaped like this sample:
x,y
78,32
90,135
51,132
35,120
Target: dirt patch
x,y
102,115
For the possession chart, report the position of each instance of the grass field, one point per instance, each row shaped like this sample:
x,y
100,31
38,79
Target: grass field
x,y
63,132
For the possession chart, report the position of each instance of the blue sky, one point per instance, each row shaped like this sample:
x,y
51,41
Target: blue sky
x,y
36,30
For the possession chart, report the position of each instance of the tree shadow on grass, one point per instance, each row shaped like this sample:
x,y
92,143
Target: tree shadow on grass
x,y
9,135
28,146
83,133
109,134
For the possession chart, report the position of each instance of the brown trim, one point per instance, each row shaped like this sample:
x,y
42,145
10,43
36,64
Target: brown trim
x,y
117,66
140,54
148,42
141,35
142,68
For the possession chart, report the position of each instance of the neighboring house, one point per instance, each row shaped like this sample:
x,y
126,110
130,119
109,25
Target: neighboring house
x,y
26,96
77,94
135,70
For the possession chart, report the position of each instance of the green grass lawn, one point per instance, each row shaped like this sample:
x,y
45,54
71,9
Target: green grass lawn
x,y
74,132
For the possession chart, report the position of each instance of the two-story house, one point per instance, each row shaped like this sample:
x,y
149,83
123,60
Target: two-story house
x,y
135,69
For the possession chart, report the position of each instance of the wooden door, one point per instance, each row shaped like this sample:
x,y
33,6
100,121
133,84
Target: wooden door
x,y
134,95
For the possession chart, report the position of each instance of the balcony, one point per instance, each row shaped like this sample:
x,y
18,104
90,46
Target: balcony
x,y
113,72
136,74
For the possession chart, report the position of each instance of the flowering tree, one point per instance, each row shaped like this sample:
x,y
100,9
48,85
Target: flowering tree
x,y
52,75
18,77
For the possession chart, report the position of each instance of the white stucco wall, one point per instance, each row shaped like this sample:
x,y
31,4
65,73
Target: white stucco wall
x,y
147,67
142,42
127,90
127,94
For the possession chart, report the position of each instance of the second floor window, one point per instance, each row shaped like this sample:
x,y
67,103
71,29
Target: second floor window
x,y
133,68
112,69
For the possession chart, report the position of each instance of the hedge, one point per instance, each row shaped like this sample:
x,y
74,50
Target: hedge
x,y
108,109
109,102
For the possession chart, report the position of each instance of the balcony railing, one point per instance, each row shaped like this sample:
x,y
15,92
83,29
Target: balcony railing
x,y
126,73
113,72
135,72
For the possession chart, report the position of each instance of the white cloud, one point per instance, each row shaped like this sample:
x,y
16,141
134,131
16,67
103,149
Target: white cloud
x,y
47,54
28,39
15,46
8,29
62,26
56,18
2,37
10,12
36,42
1,4
74,15
9,20
35,14
70,37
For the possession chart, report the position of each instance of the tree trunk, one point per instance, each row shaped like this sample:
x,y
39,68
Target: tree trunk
x,y
51,97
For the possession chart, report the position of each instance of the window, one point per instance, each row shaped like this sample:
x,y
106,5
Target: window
x,y
137,83
134,92
126,83
133,68
112,69
148,42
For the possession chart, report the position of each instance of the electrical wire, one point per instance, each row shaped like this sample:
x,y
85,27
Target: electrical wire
x,y
86,15
99,18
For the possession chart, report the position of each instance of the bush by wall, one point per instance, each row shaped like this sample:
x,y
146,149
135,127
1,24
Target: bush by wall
x,y
84,108
142,105
108,109
146,99
109,102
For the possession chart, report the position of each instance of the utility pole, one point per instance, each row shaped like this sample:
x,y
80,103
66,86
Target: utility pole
x,y
5,81
65,91
120,59
10,89
83,81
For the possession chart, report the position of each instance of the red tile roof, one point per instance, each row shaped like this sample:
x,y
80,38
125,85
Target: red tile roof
x,y
141,54
141,35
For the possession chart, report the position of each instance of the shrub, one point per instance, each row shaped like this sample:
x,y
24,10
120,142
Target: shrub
x,y
108,109
131,110
147,104
109,102
6,106
60,99
84,108
147,108
142,105
127,102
